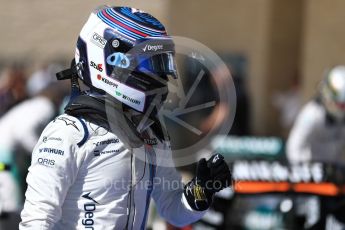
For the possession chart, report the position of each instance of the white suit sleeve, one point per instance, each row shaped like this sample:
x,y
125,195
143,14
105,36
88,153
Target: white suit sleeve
x,y
298,143
41,111
169,197
53,169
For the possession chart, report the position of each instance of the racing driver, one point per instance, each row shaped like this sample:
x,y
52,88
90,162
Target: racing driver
x,y
98,165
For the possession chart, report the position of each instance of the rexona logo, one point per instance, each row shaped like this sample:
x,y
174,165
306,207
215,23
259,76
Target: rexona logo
x,y
97,67
51,150
118,93
134,101
89,209
106,81
152,47
98,40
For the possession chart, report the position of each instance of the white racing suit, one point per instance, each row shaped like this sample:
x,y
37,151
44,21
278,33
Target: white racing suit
x,y
83,177
315,136
18,132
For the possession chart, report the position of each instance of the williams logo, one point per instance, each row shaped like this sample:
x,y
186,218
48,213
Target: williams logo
x,y
97,67
134,101
89,209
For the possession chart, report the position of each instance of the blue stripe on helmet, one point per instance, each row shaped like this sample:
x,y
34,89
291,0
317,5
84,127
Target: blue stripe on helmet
x,y
132,35
119,28
133,24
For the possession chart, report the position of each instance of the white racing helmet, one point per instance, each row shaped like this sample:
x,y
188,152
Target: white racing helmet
x,y
126,53
333,92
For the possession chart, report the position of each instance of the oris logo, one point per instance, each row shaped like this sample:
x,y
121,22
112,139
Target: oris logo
x,y
98,40
46,162
152,47
97,67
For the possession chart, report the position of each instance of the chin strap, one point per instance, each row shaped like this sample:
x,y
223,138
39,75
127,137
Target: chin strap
x,y
71,73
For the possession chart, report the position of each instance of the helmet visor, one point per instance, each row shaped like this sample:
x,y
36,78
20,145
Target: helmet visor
x,y
159,64
154,56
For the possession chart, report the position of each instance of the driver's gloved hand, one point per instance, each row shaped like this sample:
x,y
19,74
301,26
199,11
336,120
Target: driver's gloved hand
x,y
211,177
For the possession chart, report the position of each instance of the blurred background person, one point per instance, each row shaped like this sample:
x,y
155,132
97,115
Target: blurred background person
x,y
319,135
319,131
20,129
12,86
42,77
289,103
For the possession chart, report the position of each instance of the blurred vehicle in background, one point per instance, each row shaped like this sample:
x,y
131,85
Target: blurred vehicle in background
x,y
267,190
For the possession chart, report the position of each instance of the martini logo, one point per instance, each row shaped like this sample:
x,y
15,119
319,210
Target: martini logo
x,y
97,67
152,47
